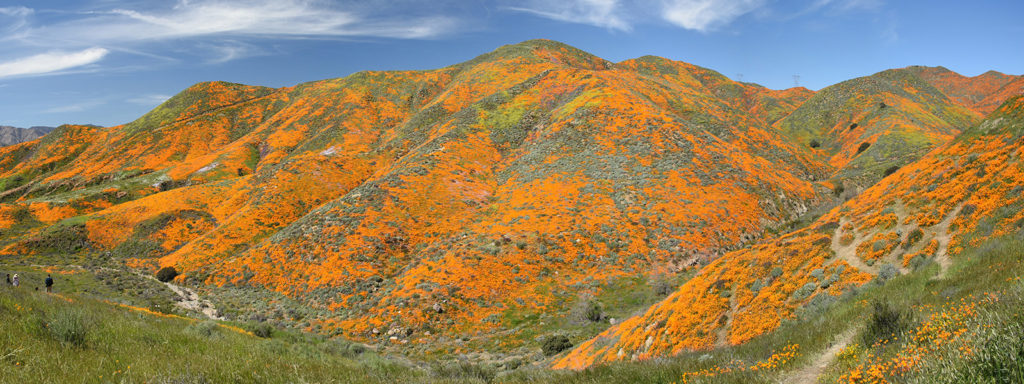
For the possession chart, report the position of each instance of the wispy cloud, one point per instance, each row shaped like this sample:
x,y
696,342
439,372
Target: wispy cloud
x,y
706,15
149,100
54,61
257,19
12,19
225,29
601,13
77,107
226,51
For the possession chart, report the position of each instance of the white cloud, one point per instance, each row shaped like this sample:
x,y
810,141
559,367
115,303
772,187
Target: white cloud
x,y
222,29
706,15
149,100
13,19
49,62
258,18
15,11
601,13
230,50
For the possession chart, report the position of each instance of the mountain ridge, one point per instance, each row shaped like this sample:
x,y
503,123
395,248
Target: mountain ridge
x,y
13,135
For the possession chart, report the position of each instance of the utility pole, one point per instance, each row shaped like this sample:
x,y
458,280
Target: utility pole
x,y
796,80
739,77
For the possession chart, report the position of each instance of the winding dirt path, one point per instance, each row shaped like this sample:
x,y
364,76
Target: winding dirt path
x,y
848,253
190,300
809,373
941,233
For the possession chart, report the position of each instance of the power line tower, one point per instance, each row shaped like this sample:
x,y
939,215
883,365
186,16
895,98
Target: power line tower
x,y
796,80
739,77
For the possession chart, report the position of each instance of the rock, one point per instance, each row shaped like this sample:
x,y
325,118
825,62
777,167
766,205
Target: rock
x,y
376,331
438,308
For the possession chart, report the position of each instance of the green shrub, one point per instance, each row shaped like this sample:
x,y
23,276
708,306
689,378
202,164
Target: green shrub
x,y
69,326
890,170
815,143
805,291
588,309
913,238
166,274
886,322
552,345
663,287
205,329
465,370
263,329
863,147
838,189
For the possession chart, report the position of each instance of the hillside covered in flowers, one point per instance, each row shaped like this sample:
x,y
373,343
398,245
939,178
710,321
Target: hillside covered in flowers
x,y
461,209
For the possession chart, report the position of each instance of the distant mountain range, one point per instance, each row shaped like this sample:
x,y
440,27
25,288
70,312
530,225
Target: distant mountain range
x,y
13,135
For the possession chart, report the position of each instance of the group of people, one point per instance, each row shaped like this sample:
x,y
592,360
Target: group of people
x,y
15,281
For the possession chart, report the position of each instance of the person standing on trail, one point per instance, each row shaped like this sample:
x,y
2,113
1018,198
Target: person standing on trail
x,y
49,284
15,282
8,279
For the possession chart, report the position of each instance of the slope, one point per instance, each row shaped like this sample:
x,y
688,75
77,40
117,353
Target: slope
x,y
956,197
867,125
537,169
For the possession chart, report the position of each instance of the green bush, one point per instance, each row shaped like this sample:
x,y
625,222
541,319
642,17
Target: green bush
x,y
465,370
69,326
205,329
663,287
552,345
838,189
588,310
890,170
863,147
886,322
263,329
913,238
815,143
166,274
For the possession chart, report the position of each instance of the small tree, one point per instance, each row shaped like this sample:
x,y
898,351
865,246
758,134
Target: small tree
x,y
890,170
863,146
853,126
166,274
552,345
815,143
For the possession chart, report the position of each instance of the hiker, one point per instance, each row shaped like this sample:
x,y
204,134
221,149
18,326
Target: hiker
x,y
8,279
49,284
15,281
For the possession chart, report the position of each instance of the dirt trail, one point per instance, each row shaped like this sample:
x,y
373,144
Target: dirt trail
x,y
809,373
941,233
722,335
848,253
190,300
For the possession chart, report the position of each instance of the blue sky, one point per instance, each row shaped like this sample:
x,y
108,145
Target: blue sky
x,y
107,62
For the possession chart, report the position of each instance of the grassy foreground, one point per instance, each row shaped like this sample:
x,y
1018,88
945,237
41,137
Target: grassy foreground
x,y
74,339
917,328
